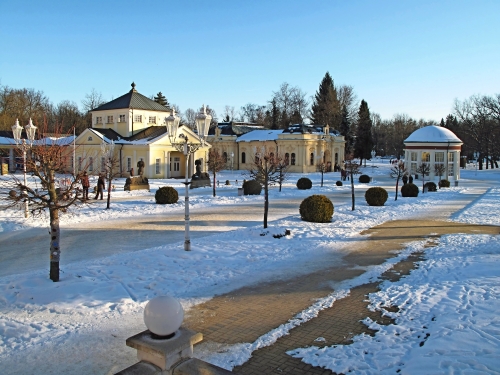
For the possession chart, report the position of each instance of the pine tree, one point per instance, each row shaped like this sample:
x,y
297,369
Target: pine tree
x,y
345,130
442,124
364,141
325,108
275,115
160,99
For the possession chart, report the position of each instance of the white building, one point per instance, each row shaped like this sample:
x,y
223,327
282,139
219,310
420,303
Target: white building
x,y
434,145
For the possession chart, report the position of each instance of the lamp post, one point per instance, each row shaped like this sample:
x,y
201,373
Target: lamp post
x,y
25,146
108,154
187,148
373,153
476,156
232,158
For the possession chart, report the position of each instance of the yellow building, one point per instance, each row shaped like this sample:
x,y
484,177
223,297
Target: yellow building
x,y
136,125
304,146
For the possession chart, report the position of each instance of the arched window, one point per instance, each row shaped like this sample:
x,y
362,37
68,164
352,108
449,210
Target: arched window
x,y
293,158
311,158
287,158
243,158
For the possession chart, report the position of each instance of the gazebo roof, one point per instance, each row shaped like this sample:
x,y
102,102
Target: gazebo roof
x,y
432,134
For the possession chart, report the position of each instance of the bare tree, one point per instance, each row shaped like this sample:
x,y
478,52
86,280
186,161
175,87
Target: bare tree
x,y
397,172
424,169
190,118
47,161
229,113
267,169
215,163
439,170
352,169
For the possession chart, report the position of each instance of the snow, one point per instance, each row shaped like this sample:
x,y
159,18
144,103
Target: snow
x,y
450,301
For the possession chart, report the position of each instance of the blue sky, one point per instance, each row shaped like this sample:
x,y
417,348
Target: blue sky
x,y
412,57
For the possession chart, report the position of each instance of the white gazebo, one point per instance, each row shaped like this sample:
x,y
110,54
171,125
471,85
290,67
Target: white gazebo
x,y
434,145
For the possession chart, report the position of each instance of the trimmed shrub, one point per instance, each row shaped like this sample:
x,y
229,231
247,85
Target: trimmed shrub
x,y
304,183
364,179
316,209
339,183
409,190
251,187
444,184
227,182
376,196
166,195
431,186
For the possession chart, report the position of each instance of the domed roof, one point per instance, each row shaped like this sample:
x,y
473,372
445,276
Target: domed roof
x,y
432,134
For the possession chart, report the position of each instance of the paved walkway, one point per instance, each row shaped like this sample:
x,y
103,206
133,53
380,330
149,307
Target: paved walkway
x,y
247,313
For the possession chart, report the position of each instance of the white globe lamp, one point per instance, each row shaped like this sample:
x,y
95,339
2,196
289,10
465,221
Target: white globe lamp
x,y
163,316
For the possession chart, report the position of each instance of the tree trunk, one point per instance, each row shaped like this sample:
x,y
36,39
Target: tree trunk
x,y
352,190
109,191
266,200
397,183
55,250
214,184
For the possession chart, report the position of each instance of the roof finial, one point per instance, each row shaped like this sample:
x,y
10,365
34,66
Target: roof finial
x,y
133,87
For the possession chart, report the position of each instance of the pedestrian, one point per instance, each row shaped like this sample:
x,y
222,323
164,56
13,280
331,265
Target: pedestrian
x,y
85,185
405,179
100,186
410,179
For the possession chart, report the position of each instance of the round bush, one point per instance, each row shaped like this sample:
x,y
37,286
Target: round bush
x,y
409,190
304,183
251,187
376,196
431,186
227,182
166,195
316,209
364,179
338,183
444,184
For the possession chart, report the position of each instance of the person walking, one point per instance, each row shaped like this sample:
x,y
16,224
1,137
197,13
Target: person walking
x,y
100,186
85,185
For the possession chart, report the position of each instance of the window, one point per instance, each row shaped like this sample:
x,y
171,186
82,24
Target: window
x,y
98,120
89,139
413,156
311,158
293,158
243,158
91,164
177,163
103,164
287,158
129,164
109,120
79,164
413,168
426,157
152,120
439,157
121,118
157,166
138,118
451,156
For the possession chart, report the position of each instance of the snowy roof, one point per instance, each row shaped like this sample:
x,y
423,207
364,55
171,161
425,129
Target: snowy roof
x,y
432,134
260,135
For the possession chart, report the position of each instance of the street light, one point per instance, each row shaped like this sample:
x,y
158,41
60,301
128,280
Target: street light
x,y
373,153
187,148
108,154
21,143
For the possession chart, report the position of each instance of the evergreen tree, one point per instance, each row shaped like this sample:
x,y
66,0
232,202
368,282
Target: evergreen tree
x,y
364,141
442,124
160,99
275,115
345,130
325,108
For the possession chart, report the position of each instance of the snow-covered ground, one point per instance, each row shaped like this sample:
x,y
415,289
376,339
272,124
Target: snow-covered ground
x,y
79,325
